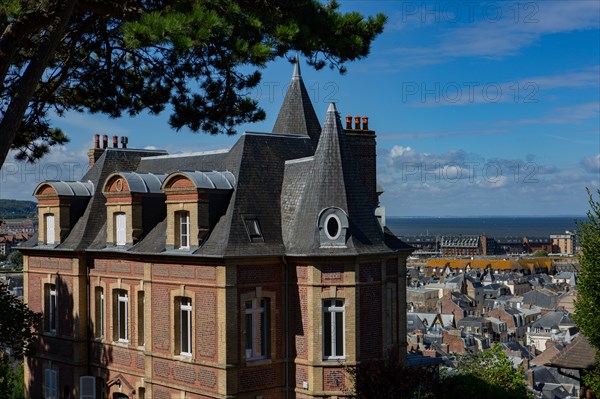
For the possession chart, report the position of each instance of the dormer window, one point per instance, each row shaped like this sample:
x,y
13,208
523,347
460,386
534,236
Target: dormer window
x,y
253,229
183,227
333,227
195,201
134,205
60,205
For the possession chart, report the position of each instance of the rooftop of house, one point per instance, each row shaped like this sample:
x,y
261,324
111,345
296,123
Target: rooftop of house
x,y
578,355
283,180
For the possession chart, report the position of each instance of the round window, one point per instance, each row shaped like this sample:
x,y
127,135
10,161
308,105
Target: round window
x,y
333,227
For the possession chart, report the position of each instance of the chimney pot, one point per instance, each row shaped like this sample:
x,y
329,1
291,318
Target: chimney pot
x,y
365,122
115,141
96,140
104,141
357,122
124,141
349,122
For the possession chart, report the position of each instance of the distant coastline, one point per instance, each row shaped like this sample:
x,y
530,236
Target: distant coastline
x,y
492,226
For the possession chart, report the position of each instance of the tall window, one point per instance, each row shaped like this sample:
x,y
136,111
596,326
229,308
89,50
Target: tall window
x,y
121,316
183,325
120,228
182,218
49,220
50,308
99,313
258,335
50,384
333,329
140,318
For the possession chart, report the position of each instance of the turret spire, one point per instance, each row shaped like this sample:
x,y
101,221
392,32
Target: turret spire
x,y
297,115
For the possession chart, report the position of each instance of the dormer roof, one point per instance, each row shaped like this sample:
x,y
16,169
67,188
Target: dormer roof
x,y
65,188
210,180
144,183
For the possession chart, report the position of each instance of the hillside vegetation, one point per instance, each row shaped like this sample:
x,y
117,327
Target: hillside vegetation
x,y
16,209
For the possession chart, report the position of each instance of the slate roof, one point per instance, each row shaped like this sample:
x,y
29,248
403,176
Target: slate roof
x,y
330,179
542,298
297,115
277,179
553,320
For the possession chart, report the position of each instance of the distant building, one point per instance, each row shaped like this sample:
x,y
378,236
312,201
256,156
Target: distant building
x,y
469,246
563,244
534,244
18,226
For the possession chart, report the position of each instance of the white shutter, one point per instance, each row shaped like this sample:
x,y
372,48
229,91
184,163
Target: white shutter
x,y
50,229
121,228
87,387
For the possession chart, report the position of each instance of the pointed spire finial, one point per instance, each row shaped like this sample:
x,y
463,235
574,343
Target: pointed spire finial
x,y
297,67
331,108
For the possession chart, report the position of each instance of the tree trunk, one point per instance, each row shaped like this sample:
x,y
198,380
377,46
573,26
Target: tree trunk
x,y
11,120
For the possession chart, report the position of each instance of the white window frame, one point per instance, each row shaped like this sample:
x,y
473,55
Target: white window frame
x,y
50,384
120,228
52,305
185,332
257,322
123,297
183,220
330,311
50,230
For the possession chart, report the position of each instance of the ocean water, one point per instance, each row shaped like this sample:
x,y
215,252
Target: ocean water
x,y
489,226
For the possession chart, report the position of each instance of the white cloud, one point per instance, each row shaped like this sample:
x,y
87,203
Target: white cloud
x,y
503,32
592,164
461,183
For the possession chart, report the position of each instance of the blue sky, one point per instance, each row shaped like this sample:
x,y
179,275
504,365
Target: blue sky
x,y
480,108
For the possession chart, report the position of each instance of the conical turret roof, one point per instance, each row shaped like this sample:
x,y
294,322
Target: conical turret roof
x,y
297,115
333,181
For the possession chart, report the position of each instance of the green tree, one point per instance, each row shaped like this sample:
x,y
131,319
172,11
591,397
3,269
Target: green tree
x,y
17,326
11,379
200,58
488,374
540,253
16,260
587,305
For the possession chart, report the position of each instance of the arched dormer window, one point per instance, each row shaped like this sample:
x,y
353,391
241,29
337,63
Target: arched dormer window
x,y
134,204
194,203
333,227
60,205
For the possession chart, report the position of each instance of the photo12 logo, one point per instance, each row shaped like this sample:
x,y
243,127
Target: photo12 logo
x,y
471,172
325,92
469,11
469,92
27,173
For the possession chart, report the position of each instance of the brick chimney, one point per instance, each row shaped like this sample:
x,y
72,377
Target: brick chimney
x,y
95,152
363,145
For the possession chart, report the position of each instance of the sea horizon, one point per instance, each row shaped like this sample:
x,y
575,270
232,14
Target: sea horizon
x,y
492,226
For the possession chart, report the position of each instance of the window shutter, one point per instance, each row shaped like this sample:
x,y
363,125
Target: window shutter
x,y
87,387
49,229
121,229
50,384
